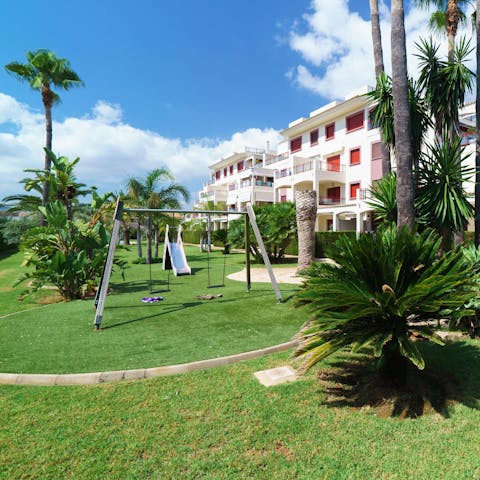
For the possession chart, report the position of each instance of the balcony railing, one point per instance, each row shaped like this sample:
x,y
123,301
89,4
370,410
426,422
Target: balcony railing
x,y
362,194
304,167
283,173
277,158
324,166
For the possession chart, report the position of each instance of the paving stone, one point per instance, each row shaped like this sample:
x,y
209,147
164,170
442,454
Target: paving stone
x,y
276,376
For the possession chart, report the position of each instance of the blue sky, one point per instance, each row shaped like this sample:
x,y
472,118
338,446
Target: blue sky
x,y
179,83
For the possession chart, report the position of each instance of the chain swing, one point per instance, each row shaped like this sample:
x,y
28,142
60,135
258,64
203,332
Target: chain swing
x,y
208,259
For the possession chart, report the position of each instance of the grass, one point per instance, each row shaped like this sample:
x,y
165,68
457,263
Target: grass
x,y
222,424
59,338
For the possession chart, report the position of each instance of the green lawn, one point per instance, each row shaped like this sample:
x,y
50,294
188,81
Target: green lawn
x,y
59,338
222,424
218,423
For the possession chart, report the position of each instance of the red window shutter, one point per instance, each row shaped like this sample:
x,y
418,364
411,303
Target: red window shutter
x,y
355,156
333,194
296,144
240,166
225,170
377,151
231,169
217,175
333,163
330,131
355,121
314,137
354,188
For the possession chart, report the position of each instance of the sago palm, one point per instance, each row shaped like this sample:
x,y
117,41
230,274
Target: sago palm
x,y
379,292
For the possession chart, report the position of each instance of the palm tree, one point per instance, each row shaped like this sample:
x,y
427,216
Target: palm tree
x,y
447,18
61,180
379,69
402,122
43,71
148,193
477,154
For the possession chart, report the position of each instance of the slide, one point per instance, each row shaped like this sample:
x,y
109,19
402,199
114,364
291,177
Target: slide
x,y
174,255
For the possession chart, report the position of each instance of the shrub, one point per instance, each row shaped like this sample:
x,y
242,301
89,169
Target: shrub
x,y
378,293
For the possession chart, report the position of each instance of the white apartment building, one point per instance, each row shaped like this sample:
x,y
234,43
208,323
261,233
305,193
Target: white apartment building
x,y
335,151
240,178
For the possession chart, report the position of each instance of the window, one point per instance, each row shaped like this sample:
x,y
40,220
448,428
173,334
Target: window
x,y
355,156
355,121
240,166
283,195
296,144
333,195
330,131
354,188
225,170
231,169
217,175
376,163
314,137
333,163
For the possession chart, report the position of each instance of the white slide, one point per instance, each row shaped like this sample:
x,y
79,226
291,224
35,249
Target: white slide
x,y
174,255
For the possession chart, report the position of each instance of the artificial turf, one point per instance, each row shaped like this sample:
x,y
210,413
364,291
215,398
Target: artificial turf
x,y
59,338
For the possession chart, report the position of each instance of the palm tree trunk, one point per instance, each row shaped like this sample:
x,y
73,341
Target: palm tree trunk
x,y
477,156
452,25
156,236
379,68
148,259
306,205
403,140
139,239
126,233
47,99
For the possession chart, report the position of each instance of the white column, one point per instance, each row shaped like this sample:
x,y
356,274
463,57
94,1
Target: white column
x,y
359,224
334,222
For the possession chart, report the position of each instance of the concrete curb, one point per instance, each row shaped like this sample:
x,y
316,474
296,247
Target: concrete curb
x,y
118,375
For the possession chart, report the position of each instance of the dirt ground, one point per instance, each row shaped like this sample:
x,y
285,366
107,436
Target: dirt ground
x,y
282,275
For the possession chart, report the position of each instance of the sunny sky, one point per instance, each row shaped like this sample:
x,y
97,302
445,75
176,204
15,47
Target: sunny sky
x,y
179,83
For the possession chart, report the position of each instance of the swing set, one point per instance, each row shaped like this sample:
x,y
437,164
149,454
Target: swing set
x,y
250,222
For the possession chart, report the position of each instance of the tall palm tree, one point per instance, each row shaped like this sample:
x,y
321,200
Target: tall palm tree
x,y
450,14
43,71
149,193
477,155
402,121
379,69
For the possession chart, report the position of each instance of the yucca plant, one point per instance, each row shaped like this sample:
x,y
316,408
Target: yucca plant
x,y
379,293
384,198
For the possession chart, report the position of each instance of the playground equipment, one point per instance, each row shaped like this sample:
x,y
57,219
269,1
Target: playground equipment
x,y
174,255
250,219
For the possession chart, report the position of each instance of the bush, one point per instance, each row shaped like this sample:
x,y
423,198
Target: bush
x,y
379,293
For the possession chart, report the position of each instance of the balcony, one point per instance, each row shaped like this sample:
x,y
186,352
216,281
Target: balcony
x,y
362,194
304,167
277,158
283,173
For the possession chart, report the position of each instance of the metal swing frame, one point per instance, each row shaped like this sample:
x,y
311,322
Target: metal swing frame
x,y
250,221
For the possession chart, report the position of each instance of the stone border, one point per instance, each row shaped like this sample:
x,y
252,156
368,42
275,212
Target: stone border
x,y
114,376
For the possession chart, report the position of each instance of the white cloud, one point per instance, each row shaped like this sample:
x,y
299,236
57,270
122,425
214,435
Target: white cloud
x,y
110,151
335,44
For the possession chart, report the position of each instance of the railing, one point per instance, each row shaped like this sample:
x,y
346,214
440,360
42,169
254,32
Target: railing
x,y
331,200
364,194
260,183
324,166
254,150
283,173
304,167
277,158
